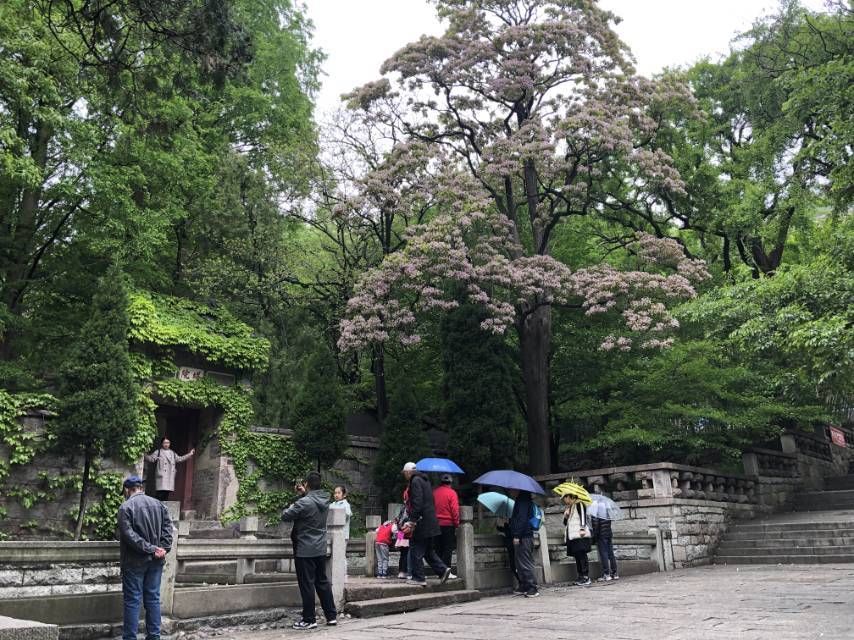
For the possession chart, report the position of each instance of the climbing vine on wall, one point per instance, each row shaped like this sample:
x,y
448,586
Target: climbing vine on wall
x,y
261,461
20,444
212,333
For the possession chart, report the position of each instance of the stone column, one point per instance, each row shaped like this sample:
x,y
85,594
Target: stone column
x,y
661,485
545,560
465,548
336,564
788,443
170,567
371,524
750,462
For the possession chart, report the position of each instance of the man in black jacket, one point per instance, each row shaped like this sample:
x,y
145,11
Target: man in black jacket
x,y
422,515
308,514
145,537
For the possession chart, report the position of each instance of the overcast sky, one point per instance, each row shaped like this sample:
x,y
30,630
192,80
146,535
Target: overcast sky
x,y
358,35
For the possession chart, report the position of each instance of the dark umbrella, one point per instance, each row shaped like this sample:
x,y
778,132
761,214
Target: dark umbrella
x,y
509,479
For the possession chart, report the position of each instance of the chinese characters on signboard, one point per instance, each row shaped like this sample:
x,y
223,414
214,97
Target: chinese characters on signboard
x,y
189,374
837,436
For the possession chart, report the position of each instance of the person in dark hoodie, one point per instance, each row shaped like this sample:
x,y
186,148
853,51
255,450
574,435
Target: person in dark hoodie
x,y
308,514
523,543
422,516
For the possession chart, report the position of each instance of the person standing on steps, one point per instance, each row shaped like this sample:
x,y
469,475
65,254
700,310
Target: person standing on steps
x,y
577,536
448,514
424,527
308,514
145,537
166,465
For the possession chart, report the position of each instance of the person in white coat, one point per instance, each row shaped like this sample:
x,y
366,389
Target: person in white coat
x,y
166,466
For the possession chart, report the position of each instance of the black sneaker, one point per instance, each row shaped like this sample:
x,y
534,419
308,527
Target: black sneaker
x,y
519,592
582,582
448,575
302,625
532,594
332,622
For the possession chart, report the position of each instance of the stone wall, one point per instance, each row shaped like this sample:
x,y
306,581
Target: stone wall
x,y
51,515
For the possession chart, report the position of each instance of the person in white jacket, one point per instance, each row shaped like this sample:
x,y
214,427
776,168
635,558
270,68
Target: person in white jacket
x,y
577,536
166,466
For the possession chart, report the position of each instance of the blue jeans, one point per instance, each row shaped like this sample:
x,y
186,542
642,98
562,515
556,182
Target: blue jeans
x,y
141,586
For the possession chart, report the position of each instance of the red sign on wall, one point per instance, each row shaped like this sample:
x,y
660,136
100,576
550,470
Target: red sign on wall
x,y
837,436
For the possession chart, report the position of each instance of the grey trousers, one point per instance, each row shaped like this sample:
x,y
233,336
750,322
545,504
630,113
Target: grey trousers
x,y
525,564
382,559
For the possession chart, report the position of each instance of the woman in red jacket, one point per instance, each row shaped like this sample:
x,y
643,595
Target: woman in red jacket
x,y
448,514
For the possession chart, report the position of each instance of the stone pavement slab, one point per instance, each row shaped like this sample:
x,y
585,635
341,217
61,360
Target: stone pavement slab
x,y
783,602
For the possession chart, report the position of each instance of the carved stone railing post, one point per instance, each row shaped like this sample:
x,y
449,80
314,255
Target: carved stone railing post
x,y
371,524
170,567
465,548
336,566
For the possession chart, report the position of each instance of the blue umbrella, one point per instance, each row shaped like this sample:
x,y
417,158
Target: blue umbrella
x,y
438,465
509,479
498,503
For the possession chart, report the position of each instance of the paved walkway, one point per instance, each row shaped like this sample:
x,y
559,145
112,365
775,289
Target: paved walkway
x,y
791,602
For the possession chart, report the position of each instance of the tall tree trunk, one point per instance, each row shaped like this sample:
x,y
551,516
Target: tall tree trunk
x,y
535,336
87,464
378,369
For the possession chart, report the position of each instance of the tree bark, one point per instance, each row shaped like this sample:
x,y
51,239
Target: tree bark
x,y
535,335
84,489
378,369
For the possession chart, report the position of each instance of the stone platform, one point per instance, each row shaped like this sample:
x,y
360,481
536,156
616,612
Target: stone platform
x,y
797,602
14,629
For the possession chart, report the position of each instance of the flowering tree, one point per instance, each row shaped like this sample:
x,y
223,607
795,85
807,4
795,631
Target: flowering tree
x,y
537,106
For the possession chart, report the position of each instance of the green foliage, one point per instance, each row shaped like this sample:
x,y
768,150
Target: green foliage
x,y
19,444
320,412
480,410
690,404
97,392
212,333
403,440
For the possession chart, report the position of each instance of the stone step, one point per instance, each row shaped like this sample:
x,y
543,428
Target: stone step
x,y
775,551
839,483
794,534
408,603
824,497
786,559
777,542
824,506
375,589
796,527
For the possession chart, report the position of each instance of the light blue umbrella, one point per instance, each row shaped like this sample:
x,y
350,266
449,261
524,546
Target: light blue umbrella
x,y
498,503
604,508
438,465
509,479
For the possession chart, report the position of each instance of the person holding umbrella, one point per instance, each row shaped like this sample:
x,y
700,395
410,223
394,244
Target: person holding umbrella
x,y
448,514
577,534
522,533
602,511
424,527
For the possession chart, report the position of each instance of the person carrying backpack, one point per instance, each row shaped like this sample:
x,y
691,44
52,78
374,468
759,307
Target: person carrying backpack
x,y
522,532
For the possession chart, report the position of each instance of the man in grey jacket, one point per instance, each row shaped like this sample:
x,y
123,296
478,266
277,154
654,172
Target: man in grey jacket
x,y
145,536
308,514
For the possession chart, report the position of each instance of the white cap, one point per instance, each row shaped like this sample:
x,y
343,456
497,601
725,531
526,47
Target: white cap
x,y
409,466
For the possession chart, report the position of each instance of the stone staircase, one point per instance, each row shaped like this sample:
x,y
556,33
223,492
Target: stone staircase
x,y
371,597
819,531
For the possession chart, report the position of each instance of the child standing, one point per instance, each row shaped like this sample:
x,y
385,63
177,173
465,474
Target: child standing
x,y
340,502
385,536
577,536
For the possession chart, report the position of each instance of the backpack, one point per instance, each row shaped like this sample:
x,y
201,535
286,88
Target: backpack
x,y
536,519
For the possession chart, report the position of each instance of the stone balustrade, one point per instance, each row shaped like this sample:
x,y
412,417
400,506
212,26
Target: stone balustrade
x,y
660,480
765,462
